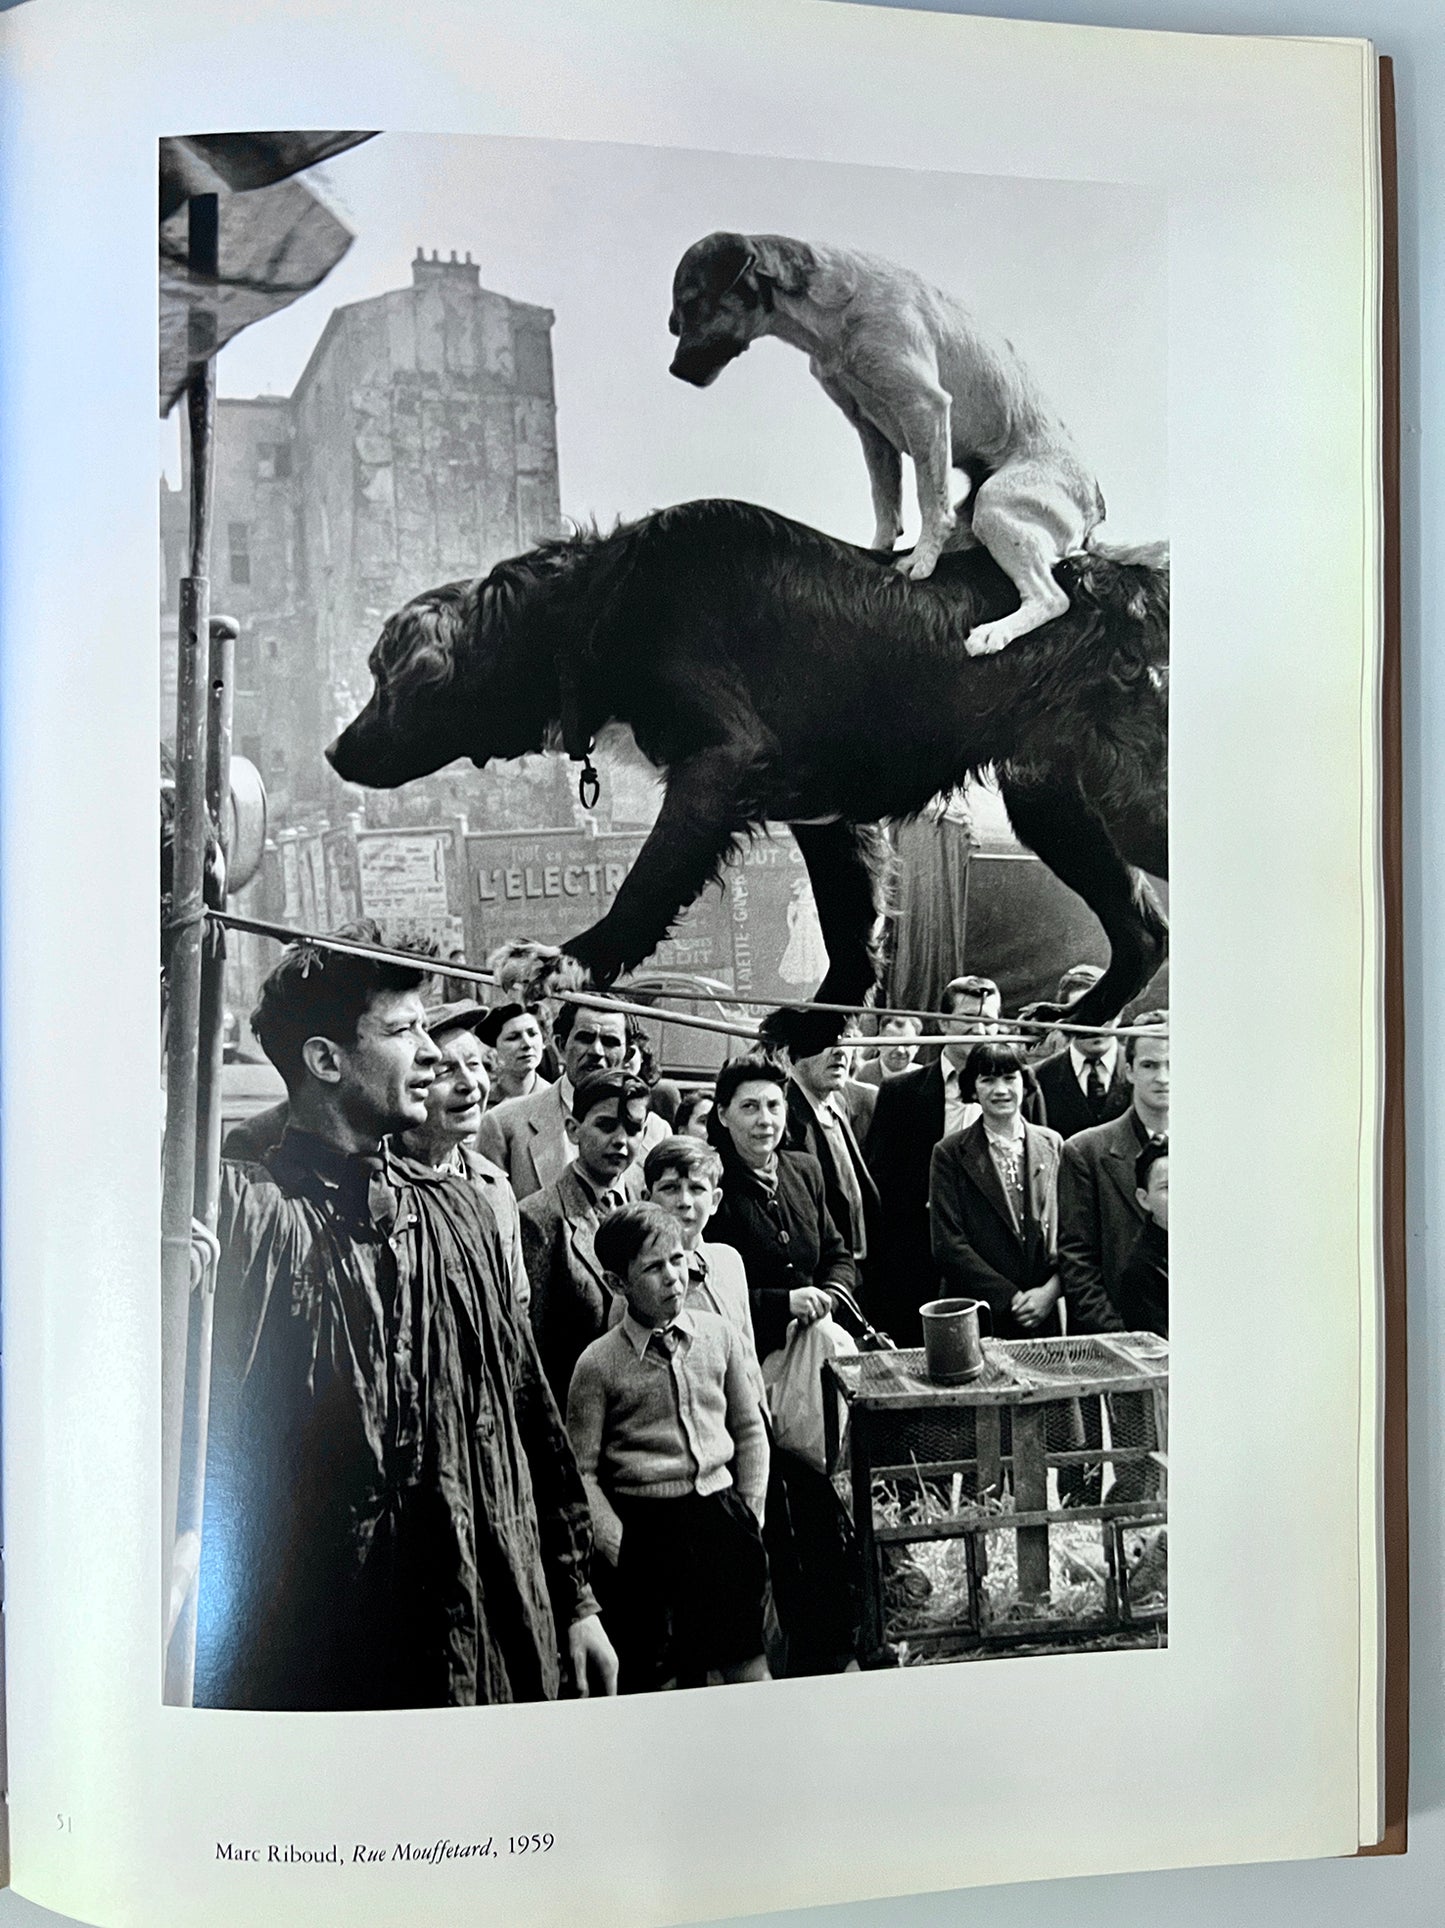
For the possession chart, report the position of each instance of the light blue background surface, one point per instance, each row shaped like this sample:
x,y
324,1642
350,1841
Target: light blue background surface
x,y
1406,1891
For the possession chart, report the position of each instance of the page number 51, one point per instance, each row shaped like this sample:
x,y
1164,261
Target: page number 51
x,y
62,1822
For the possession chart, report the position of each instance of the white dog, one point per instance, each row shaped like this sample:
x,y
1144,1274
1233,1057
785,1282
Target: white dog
x,y
915,374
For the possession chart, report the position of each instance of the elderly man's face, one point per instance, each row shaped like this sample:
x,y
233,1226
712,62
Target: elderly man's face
x,y
387,1073
459,1090
596,1042
826,1070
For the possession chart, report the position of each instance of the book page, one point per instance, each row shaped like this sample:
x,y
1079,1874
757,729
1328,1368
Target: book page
x,y
1179,229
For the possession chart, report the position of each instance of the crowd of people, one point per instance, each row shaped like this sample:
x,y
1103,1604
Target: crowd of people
x,y
516,1383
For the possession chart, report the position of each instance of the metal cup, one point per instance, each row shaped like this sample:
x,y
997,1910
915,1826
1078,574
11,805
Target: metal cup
x,y
951,1342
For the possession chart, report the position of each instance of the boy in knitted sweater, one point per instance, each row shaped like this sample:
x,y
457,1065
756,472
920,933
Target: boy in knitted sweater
x,y
660,1408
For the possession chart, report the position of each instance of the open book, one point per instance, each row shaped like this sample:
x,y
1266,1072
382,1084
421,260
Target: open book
x,y
318,1513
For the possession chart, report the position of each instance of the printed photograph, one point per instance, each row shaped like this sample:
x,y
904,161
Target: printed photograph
x,y
663,902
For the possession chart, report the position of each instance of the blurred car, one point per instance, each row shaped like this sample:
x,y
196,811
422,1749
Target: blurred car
x,y
687,1056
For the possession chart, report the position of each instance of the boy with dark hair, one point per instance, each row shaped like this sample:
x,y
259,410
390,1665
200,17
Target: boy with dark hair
x,y
394,1517
658,1410
571,1297
1144,1282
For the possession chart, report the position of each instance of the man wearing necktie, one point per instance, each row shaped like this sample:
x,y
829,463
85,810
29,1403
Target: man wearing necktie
x,y
818,1123
1084,1083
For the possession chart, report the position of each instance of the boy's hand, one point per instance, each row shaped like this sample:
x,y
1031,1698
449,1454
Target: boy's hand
x,y
593,1657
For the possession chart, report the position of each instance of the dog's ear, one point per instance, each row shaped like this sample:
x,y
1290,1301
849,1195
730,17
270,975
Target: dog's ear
x,y
789,266
731,258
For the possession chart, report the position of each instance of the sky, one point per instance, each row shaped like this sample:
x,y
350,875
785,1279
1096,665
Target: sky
x,y
1074,274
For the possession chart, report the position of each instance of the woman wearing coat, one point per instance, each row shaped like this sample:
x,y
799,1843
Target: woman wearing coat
x,y
774,1214
993,1201
993,1207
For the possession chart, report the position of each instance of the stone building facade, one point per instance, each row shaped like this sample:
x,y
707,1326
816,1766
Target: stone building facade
x,y
419,446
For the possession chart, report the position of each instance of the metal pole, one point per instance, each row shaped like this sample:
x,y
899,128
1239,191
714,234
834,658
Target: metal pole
x,y
191,1494
187,897
221,685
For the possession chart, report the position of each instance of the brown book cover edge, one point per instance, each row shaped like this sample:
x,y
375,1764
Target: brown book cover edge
x,y
1397,1525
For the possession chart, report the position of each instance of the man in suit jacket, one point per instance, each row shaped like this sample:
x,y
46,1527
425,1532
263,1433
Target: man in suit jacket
x,y
571,1297
1085,1083
528,1136
1100,1219
860,1100
819,1124
914,1110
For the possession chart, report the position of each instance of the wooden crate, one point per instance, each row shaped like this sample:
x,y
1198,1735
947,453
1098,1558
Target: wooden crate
x,y
890,1422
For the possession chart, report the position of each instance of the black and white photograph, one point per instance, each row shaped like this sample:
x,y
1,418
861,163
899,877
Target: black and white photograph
x,y
664,918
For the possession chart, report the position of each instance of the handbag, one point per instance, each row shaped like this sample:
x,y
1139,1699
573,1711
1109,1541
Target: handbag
x,y
793,1379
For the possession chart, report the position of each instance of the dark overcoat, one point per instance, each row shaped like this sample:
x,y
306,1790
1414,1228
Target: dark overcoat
x,y
1066,1109
978,1250
804,1133
786,1241
1100,1219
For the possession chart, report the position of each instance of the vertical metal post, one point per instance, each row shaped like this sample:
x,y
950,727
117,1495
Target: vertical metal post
x,y
221,685
191,1484
187,897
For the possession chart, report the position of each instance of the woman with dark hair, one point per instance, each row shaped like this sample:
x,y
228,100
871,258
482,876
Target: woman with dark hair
x,y
513,1034
993,1199
774,1214
693,1111
773,1210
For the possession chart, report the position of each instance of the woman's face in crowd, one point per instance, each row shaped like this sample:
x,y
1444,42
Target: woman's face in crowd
x,y
696,1126
1000,1095
755,1117
519,1046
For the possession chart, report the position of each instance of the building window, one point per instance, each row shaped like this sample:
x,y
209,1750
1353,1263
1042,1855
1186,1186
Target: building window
x,y
240,544
273,461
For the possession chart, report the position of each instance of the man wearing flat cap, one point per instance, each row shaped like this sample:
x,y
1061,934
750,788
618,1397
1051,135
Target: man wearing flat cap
x,y
454,1107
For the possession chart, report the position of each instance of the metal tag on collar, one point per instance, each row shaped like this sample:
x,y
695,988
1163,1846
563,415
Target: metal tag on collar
x,y
589,784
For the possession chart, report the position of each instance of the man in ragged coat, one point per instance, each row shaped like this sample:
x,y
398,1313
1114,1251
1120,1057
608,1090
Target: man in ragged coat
x,y
394,1516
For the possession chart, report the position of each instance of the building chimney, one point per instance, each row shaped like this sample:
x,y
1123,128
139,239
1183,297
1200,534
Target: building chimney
x,y
427,272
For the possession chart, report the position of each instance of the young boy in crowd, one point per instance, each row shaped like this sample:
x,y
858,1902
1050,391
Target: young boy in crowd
x,y
1144,1282
684,1176
658,1410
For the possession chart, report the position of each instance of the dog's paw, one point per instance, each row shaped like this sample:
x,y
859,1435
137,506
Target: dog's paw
x,y
1042,1013
988,639
884,537
918,566
800,1033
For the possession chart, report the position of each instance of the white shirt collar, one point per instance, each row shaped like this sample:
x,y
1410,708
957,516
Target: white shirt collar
x,y
637,1334
1106,1063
